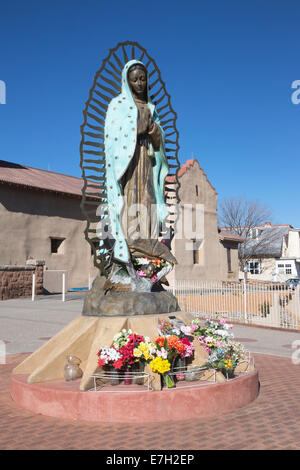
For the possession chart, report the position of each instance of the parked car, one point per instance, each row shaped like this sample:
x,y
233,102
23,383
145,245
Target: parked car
x,y
292,283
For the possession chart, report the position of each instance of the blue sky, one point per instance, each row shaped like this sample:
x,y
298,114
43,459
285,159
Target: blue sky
x,y
227,64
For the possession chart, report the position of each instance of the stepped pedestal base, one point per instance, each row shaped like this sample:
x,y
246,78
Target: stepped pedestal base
x,y
64,400
83,337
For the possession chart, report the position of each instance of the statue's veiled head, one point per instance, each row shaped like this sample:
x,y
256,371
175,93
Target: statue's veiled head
x,y
137,80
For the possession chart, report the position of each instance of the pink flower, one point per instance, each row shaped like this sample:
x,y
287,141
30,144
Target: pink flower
x,y
188,351
223,321
206,348
141,273
153,278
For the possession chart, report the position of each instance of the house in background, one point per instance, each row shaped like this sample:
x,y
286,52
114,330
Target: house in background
x,y
273,253
289,264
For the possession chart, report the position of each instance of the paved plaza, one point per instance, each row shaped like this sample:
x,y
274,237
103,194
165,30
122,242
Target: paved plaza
x,y
272,421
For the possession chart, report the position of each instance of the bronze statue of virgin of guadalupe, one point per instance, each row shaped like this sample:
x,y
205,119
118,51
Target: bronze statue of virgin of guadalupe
x,y
136,167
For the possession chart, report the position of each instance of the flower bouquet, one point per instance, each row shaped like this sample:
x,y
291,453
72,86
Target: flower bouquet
x,y
107,359
219,329
213,334
168,350
184,333
222,362
128,359
215,337
128,351
146,267
168,328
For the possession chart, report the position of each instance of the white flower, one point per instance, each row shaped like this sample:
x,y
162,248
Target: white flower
x,y
109,354
162,353
209,339
142,260
152,348
222,333
186,330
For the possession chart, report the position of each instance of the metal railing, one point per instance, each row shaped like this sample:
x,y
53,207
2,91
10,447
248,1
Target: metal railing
x,y
254,303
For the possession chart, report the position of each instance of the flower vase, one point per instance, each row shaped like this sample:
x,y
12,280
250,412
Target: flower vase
x,y
72,370
191,375
168,380
139,369
229,373
127,377
114,376
180,367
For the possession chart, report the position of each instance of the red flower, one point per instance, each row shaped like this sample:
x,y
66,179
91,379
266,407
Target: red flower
x,y
101,362
185,341
134,340
127,353
159,340
118,364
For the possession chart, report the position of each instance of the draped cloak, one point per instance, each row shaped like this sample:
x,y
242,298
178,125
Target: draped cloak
x,y
120,145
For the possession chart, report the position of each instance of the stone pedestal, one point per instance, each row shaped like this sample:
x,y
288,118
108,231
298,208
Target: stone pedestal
x,y
83,337
101,303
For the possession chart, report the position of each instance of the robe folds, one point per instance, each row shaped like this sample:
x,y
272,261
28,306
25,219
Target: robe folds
x,y
130,164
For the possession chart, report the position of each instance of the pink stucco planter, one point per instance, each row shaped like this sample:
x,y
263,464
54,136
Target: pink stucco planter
x,y
64,400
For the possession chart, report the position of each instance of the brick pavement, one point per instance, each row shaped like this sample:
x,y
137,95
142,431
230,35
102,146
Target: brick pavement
x,y
271,422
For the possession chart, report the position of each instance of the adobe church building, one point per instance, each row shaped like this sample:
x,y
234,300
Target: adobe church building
x,y
205,253
41,220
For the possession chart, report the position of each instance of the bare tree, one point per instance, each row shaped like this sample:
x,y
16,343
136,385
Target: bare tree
x,y
247,219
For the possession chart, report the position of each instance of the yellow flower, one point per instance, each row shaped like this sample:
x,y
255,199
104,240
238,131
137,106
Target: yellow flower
x,y
228,364
137,352
144,350
160,365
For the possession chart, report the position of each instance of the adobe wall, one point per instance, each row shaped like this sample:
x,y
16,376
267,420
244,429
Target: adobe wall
x,y
211,263
16,281
195,189
30,217
233,275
